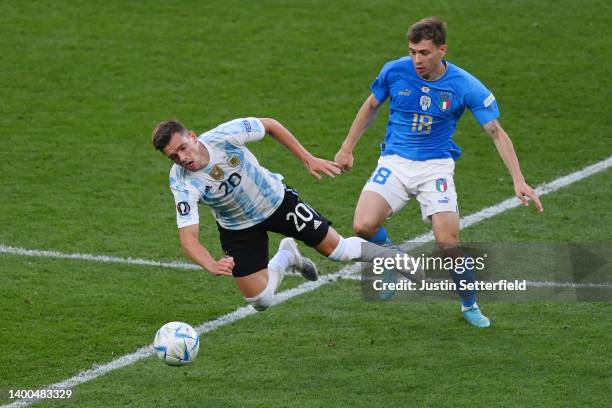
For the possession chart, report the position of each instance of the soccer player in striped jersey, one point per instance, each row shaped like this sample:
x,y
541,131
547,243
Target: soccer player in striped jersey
x,y
218,170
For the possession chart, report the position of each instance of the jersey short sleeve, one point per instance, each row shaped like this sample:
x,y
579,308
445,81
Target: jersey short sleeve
x,y
242,131
380,86
480,101
186,202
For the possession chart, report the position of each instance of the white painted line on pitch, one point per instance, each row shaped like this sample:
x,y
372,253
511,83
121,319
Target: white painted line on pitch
x,y
144,352
4,249
465,222
570,285
534,284
544,189
346,273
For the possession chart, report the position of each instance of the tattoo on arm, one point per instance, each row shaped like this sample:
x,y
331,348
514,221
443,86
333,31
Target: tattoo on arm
x,y
492,128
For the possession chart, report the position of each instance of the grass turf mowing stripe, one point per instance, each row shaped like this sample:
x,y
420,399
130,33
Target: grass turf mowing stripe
x,y
347,272
465,222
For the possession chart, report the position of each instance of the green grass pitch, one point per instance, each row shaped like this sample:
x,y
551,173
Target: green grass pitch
x,y
82,86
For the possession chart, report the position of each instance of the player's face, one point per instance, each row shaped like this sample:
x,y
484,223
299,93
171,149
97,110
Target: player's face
x,y
186,151
427,58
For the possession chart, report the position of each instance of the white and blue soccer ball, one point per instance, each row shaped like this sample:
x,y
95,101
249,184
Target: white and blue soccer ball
x,y
176,343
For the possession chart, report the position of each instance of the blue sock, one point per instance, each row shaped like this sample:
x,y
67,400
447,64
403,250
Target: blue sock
x,y
468,297
381,237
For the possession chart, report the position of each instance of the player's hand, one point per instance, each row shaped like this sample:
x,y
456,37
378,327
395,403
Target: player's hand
x,y
223,266
344,160
316,166
524,191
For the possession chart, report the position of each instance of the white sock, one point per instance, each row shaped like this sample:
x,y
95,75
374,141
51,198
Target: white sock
x,y
463,308
277,266
276,269
282,260
358,249
348,249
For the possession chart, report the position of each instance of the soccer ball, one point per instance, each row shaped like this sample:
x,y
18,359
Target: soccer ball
x,y
176,343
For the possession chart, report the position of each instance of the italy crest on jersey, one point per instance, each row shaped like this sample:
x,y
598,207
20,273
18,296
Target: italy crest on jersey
x,y
425,102
445,100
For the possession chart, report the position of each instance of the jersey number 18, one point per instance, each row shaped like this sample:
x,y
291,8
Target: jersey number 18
x,y
421,123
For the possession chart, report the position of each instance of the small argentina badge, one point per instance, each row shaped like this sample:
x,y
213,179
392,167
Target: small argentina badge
x,y
217,173
441,185
445,100
233,161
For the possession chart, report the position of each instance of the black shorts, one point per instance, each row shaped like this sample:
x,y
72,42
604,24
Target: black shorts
x,y
294,218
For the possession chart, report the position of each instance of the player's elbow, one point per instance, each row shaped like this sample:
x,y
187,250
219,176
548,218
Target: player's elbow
x,y
494,130
372,104
188,242
270,124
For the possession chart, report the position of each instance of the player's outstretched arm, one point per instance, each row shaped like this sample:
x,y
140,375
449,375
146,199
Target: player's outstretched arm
x,y
506,151
192,247
364,118
313,164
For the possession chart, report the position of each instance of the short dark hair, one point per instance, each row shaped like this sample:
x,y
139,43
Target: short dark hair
x,y
430,28
163,133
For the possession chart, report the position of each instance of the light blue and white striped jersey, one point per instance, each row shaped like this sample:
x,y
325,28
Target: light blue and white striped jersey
x,y
239,192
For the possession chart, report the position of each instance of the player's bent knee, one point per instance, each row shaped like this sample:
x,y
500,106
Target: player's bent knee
x,y
447,241
262,301
365,229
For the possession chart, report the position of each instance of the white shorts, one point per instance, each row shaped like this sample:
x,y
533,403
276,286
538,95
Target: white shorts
x,y
398,179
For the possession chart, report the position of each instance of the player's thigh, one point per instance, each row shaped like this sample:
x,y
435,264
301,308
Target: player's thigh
x,y
383,195
298,219
253,284
372,209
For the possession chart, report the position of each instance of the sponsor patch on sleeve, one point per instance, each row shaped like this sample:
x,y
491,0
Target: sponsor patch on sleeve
x,y
247,126
490,99
183,208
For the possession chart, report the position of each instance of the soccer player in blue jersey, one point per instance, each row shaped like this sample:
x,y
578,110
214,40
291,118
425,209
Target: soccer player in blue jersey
x,y
247,201
427,97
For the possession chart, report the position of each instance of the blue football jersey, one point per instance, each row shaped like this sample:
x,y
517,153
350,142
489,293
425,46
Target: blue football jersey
x,y
237,189
423,114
